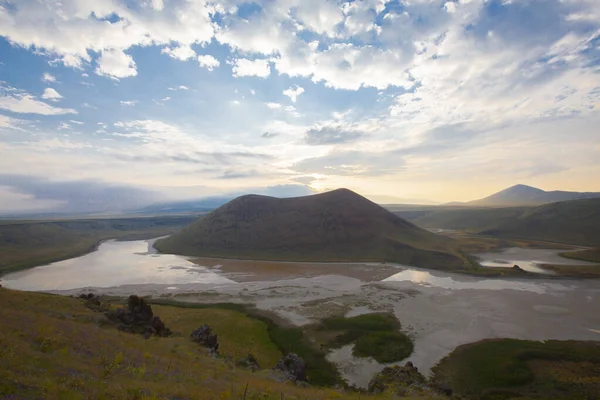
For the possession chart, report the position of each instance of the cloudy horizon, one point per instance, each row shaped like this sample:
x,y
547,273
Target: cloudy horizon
x,y
126,103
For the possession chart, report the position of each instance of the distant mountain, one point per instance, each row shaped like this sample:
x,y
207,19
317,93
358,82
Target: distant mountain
x,y
335,226
574,222
520,195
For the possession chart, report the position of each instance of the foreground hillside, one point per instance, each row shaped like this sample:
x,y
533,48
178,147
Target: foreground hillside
x,y
573,222
26,244
55,347
334,226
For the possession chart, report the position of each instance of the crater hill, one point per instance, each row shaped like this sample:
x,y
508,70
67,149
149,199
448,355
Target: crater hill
x,y
334,226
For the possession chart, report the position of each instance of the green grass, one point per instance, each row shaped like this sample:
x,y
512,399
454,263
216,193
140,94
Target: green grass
x,y
591,255
287,339
26,244
510,368
374,335
385,347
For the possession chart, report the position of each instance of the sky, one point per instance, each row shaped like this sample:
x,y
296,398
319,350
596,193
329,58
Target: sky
x,y
115,104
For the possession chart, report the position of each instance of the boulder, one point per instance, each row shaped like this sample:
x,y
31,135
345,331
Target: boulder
x,y
397,377
138,318
206,338
294,368
250,362
93,302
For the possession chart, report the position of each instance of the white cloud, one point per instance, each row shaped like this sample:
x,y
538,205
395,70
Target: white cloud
x,y
116,64
10,123
182,53
158,5
273,106
21,102
68,30
128,103
209,62
450,7
246,67
51,94
48,78
293,92
180,87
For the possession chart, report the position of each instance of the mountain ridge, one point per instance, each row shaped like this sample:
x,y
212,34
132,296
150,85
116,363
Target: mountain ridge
x,y
339,225
522,195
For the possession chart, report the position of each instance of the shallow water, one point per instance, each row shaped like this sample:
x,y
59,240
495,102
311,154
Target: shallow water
x,y
456,282
527,259
113,264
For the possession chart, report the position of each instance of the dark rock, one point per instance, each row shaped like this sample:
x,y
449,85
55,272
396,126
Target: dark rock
x,y
294,367
517,268
138,318
249,362
159,327
442,389
94,302
397,377
206,337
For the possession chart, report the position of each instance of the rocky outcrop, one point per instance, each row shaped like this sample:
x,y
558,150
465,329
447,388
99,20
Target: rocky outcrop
x,y
250,362
206,338
404,381
94,302
138,318
293,367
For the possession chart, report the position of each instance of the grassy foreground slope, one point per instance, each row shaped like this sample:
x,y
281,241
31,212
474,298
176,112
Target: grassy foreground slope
x,y
53,347
335,226
25,244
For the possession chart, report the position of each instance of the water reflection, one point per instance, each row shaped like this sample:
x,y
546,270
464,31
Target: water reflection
x,y
113,264
528,259
446,282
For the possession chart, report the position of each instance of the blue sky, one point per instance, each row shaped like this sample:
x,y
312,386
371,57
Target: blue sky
x,y
115,104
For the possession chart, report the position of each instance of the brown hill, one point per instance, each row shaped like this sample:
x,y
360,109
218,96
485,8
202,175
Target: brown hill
x,y
335,226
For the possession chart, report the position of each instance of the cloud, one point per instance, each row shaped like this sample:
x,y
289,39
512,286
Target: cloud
x,y
269,135
10,123
246,67
181,53
21,102
274,106
293,92
48,78
180,87
51,94
209,62
128,103
42,194
327,135
115,64
158,5
352,163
